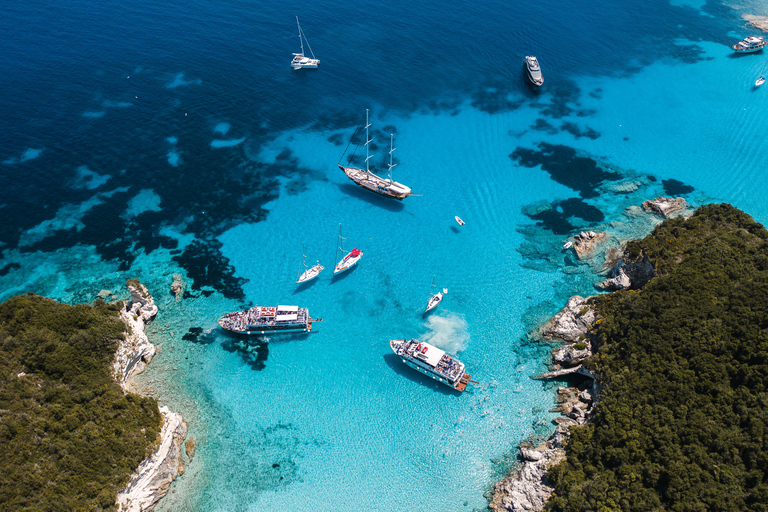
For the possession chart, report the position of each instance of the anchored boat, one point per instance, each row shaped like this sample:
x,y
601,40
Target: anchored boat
x,y
268,320
534,70
350,259
432,362
364,178
299,60
749,45
434,298
309,273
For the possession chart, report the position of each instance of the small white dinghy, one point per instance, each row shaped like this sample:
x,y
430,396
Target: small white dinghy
x,y
461,222
567,245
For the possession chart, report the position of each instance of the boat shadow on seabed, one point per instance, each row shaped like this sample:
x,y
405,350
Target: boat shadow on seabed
x,y
394,362
372,198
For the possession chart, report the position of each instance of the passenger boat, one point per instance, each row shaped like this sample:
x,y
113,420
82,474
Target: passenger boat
x,y
349,260
749,45
309,273
268,320
299,60
534,70
434,298
432,362
364,178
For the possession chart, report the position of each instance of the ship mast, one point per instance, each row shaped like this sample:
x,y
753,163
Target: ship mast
x,y
391,150
367,141
301,42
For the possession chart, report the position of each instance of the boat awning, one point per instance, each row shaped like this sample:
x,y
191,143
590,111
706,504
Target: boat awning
x,y
287,318
286,309
433,354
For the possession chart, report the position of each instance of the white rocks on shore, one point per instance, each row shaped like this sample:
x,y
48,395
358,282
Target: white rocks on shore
x,y
135,351
528,488
154,475
572,323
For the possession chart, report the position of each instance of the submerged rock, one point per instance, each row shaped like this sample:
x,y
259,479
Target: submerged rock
x,y
665,206
177,286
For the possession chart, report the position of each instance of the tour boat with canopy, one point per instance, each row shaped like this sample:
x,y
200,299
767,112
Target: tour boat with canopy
x,y
268,320
432,362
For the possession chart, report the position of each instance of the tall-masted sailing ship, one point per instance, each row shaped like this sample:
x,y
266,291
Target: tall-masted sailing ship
x,y
386,187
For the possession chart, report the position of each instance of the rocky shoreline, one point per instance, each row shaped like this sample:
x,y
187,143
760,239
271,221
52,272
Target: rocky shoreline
x,y
152,479
527,488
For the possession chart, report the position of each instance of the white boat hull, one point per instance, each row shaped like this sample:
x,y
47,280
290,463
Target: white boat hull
x,y
310,274
434,301
347,263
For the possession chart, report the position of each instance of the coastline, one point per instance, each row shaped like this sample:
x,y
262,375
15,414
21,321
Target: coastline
x,y
527,487
152,479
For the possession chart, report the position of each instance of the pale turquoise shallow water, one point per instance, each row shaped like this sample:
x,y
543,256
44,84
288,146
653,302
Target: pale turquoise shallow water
x,y
125,158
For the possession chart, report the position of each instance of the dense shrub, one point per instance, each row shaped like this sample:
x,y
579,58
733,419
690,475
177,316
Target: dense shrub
x,y
682,422
70,437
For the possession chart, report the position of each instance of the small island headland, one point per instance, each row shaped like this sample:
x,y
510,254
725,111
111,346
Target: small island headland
x,y
76,433
674,363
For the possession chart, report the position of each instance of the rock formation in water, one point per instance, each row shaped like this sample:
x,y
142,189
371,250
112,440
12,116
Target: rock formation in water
x,y
665,206
151,480
586,242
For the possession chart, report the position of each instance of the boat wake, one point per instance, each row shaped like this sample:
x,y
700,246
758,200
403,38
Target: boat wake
x,y
447,332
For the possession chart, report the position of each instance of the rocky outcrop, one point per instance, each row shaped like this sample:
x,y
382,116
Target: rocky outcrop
x,y
586,242
665,206
528,487
572,323
630,274
154,475
135,351
570,355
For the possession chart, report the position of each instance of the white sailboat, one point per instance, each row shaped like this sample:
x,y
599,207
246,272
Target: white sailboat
x,y
368,180
349,260
309,273
299,60
434,298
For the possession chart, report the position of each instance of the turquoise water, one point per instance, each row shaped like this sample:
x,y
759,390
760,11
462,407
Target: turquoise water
x,y
151,140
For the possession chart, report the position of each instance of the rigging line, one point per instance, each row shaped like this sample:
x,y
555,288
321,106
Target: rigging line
x,y
350,142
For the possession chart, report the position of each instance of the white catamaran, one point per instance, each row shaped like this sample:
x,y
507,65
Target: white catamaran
x,y
309,273
434,298
299,60
349,260
386,187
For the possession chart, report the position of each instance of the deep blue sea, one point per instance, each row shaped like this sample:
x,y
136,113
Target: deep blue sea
x,y
146,139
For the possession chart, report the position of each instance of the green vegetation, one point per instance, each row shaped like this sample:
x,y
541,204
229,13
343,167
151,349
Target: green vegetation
x,y
70,438
682,423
